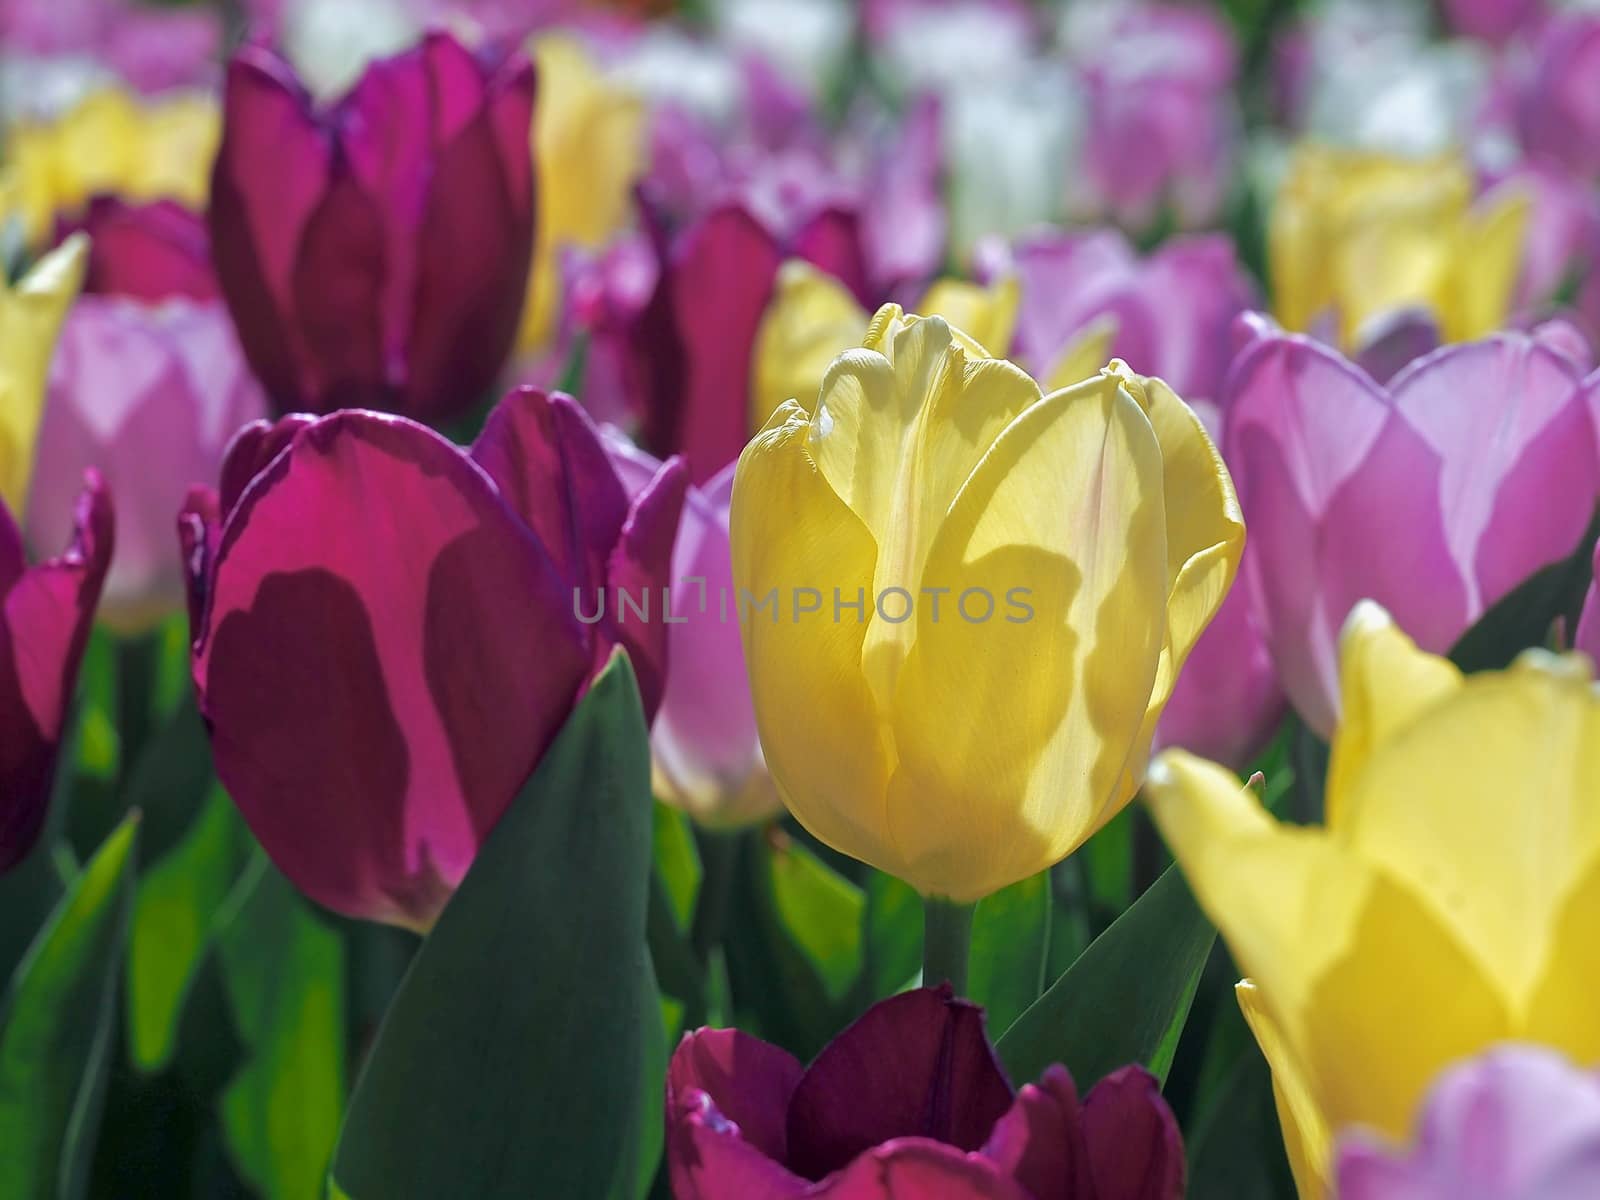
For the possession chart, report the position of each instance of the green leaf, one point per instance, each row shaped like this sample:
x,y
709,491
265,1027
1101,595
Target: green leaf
x,y
56,1026
677,862
1126,997
174,914
1235,1148
1524,617
513,1058
893,934
821,910
172,779
1010,938
284,972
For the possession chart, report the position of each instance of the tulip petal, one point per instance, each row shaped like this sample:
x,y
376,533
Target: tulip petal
x,y
1134,1146
1486,265
641,564
250,452
918,1169
709,1159
831,242
812,319
988,314
1039,1142
1067,506
833,764
1385,684
45,616
1306,1138
915,1065
749,1080
387,653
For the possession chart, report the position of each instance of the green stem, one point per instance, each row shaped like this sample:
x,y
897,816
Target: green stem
x,y
719,860
946,941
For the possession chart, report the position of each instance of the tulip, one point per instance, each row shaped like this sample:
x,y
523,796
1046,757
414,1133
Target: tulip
x,y
147,251
908,1103
113,142
361,274
1587,635
148,394
1556,114
1486,449
153,48
707,756
31,313
1158,77
983,594
1516,1122
1446,904
1495,21
1354,235
588,143
45,615
392,630
1167,314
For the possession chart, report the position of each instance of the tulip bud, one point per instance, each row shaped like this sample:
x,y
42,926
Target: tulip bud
x,y
375,253
983,594
392,630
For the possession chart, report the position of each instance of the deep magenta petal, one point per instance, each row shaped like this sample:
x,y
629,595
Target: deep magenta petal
x,y
831,241
750,1082
46,612
918,1169
199,531
250,451
1039,1142
915,1065
1135,1149
373,590
709,1159
642,564
150,251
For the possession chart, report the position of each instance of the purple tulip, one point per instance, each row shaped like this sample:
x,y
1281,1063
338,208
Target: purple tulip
x,y
1165,90
707,754
1173,309
45,615
392,630
1493,21
1516,1123
147,251
1556,109
909,1103
148,395
151,47
1434,495
376,253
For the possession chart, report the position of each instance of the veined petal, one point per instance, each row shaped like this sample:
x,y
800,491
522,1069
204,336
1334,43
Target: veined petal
x,y
822,733
1014,729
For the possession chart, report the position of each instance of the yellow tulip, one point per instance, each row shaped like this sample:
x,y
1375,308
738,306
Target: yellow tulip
x,y
963,603
112,142
1451,901
588,151
1358,234
812,318
31,313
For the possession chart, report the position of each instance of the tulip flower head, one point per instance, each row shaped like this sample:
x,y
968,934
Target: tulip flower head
x,y
387,638
1485,449
1447,904
983,595
1355,235
375,253
46,612
31,312
908,1103
1517,1122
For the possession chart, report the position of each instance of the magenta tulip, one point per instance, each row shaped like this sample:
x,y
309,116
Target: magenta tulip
x,y
1435,495
148,251
148,395
392,630
376,253
908,1103
1516,1123
45,615
707,754
1556,110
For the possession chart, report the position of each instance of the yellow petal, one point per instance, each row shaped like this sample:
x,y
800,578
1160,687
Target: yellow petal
x,y
1205,538
1087,353
988,314
1385,683
588,148
1499,826
821,735
30,318
1485,267
1012,732
811,320
1306,1138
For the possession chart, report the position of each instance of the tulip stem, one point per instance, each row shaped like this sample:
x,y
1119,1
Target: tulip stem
x,y
946,941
